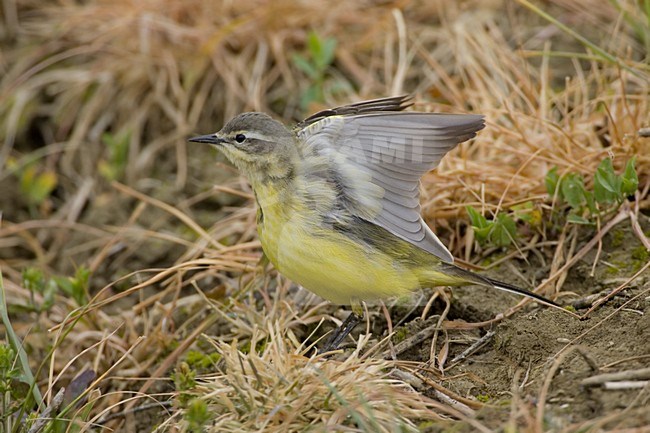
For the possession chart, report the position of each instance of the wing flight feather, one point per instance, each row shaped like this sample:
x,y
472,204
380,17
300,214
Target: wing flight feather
x,y
379,154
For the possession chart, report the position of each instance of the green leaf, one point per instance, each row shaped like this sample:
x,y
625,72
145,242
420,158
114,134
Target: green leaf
x,y
117,148
197,416
327,54
523,210
8,368
504,230
607,184
37,186
573,190
479,223
312,94
48,296
76,286
33,280
551,181
305,66
321,51
482,234
476,218
630,180
525,206
18,348
314,44
591,203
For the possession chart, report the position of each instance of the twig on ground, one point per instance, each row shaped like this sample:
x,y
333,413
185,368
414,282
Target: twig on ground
x,y
628,384
411,341
621,361
474,347
50,411
443,316
453,404
639,374
472,404
418,384
589,300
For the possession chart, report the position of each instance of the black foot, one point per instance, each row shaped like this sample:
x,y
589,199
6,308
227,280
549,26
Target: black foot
x,y
340,333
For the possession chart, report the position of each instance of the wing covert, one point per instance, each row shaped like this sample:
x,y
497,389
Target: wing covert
x,y
379,158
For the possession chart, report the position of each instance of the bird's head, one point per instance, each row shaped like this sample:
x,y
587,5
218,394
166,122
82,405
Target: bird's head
x,y
256,144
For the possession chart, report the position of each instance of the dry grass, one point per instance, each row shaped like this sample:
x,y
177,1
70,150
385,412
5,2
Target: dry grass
x,y
278,388
161,248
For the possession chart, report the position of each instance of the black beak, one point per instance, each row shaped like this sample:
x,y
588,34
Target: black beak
x,y
210,139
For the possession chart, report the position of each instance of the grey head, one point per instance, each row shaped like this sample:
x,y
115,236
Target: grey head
x,y
254,142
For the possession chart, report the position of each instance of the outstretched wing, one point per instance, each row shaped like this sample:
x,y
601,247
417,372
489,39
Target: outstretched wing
x,y
377,158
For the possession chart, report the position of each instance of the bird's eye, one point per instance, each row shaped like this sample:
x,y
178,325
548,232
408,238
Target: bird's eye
x,y
239,138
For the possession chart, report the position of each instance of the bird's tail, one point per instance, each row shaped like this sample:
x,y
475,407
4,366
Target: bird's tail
x,y
471,277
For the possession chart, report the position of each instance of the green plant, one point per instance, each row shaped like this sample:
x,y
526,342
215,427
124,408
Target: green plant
x,y
19,389
35,282
199,360
74,287
20,396
610,190
36,183
320,55
499,232
528,213
184,378
12,390
117,146
196,415
195,410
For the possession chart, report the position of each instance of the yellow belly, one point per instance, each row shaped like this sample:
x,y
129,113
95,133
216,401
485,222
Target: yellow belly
x,y
329,263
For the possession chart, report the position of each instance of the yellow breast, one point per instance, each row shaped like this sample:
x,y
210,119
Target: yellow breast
x,y
326,261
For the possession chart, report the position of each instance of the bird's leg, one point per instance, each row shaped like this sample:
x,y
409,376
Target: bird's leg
x,y
341,332
344,330
259,273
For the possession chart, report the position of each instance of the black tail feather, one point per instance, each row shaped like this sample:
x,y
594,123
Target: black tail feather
x,y
471,277
519,291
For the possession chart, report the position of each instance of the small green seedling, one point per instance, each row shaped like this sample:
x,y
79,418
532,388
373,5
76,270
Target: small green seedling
x,y
184,380
320,56
610,190
36,183
75,287
197,416
117,146
12,390
499,232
